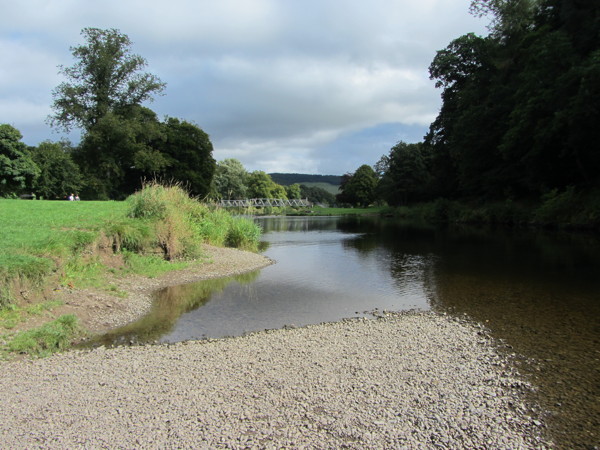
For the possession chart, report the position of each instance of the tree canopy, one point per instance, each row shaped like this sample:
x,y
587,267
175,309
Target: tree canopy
x,y
519,105
358,188
17,170
59,175
230,180
106,78
123,142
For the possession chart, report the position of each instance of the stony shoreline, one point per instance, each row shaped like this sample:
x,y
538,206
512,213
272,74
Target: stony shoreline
x,y
409,380
412,380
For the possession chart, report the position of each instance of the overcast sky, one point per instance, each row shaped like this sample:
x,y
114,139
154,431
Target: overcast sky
x,y
307,86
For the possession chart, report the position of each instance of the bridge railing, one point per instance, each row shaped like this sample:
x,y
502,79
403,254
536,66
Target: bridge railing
x,y
262,202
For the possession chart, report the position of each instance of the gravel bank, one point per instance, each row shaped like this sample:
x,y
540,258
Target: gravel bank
x,y
411,380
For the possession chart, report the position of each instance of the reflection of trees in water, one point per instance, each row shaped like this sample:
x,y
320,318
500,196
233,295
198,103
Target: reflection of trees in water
x,y
283,223
168,305
538,295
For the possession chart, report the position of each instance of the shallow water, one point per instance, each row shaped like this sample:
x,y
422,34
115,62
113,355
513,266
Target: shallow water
x,y
537,292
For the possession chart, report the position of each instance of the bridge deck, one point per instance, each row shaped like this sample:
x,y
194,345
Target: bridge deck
x,y
261,202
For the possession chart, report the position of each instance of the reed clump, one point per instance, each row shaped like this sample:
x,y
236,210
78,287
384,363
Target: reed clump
x,y
182,223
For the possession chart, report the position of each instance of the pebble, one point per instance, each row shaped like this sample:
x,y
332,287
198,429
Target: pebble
x,y
404,380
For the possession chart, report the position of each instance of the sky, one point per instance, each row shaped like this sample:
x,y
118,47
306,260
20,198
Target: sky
x,y
311,86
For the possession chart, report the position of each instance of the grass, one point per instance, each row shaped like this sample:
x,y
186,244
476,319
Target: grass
x,y
47,339
13,315
149,266
35,235
46,243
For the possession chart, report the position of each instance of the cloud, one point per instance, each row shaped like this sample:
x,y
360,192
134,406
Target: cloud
x,y
280,85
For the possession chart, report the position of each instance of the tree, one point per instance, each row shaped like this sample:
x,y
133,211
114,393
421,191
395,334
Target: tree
x,y
260,185
230,179
18,171
59,175
188,150
103,95
508,17
106,78
359,188
120,151
407,176
519,106
293,191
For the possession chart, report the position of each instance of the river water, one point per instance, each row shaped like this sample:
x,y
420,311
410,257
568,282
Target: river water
x,y
537,292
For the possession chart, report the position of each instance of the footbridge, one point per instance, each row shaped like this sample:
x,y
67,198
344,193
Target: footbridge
x,y
262,202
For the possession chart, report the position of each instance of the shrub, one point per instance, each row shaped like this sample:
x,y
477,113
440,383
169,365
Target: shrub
x,y
557,207
181,223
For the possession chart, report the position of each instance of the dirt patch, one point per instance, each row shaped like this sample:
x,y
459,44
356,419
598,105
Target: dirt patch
x,y
125,299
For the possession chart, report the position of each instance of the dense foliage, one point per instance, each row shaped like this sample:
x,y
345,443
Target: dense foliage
x,y
358,188
517,121
123,143
17,170
520,105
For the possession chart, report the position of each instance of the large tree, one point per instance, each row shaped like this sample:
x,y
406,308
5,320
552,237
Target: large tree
x,y
17,170
120,151
520,106
261,185
106,77
359,188
407,175
103,96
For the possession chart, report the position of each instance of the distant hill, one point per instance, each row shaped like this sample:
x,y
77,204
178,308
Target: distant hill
x,y
285,179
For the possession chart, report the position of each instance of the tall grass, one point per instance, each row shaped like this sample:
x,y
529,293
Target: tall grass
x,y
181,222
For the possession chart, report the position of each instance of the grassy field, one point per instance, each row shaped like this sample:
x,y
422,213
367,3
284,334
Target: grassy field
x,y
36,235
45,243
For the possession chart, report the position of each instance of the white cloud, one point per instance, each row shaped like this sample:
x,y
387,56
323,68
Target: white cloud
x,y
275,82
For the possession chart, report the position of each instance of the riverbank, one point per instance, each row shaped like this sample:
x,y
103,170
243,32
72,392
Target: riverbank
x,y
406,380
101,310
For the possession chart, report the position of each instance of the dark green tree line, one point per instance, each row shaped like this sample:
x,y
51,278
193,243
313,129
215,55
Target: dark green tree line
x,y
519,106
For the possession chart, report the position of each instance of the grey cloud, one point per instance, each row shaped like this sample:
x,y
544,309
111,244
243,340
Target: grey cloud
x,y
278,84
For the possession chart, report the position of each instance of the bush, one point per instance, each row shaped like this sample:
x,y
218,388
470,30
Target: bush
x,y
557,207
181,223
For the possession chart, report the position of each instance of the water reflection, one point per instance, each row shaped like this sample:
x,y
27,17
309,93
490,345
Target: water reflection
x,y
168,306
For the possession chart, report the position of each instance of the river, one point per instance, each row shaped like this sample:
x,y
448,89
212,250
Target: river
x,y
537,292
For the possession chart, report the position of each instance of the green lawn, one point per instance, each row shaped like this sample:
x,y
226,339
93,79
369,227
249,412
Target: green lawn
x,y
30,225
35,234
